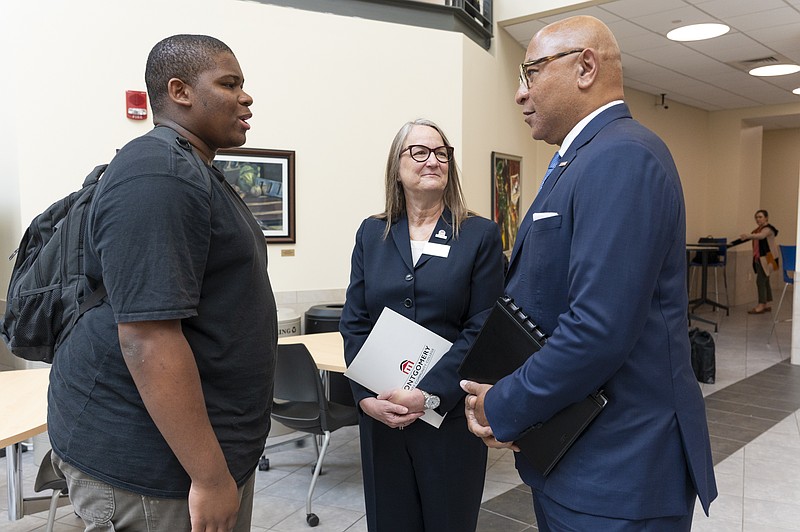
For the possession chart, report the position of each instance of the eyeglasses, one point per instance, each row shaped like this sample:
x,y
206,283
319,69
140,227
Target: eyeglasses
x,y
443,154
526,72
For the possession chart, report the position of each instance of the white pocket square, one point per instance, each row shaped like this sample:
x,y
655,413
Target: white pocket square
x,y
543,215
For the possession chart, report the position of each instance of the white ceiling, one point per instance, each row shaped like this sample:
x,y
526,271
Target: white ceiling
x,y
711,74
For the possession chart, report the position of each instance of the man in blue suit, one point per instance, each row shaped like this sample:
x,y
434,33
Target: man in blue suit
x,y
599,264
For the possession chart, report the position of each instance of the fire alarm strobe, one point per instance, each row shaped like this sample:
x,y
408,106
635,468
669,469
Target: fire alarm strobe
x,y
136,104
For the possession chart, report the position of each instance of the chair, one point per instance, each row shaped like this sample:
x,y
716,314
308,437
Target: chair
x,y
788,256
717,263
300,403
48,478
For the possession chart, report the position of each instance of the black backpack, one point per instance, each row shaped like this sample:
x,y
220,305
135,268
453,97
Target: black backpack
x,y
47,292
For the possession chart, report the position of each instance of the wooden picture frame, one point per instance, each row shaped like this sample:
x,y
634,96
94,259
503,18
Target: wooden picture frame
x,y
506,185
264,179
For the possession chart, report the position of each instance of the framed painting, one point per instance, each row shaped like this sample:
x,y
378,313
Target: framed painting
x,y
265,181
506,174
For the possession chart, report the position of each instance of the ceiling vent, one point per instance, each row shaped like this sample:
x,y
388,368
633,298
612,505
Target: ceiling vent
x,y
746,65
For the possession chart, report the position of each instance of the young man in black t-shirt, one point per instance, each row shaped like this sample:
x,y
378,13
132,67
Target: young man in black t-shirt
x,y
160,398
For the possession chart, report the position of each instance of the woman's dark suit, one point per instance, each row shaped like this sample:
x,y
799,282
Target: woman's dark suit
x,y
423,478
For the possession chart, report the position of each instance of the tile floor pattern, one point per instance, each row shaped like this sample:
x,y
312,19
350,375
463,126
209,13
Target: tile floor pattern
x,y
753,411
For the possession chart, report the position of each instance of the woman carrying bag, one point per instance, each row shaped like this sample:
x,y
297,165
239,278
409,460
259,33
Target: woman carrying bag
x,y
765,260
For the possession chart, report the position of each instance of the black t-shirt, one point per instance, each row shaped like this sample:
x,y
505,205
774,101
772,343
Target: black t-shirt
x,y
169,242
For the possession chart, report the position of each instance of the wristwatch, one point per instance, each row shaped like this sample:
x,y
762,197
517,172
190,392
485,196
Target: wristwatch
x,y
431,401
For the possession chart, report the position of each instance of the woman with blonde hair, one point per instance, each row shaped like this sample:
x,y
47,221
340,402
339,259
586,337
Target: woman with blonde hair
x,y
430,259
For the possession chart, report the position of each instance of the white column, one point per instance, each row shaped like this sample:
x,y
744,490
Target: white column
x,y
796,301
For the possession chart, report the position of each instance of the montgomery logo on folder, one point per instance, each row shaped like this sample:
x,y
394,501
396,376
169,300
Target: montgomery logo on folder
x,y
417,369
398,343
506,340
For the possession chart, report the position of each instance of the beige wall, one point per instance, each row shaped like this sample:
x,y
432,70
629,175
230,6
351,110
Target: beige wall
x,y
780,165
780,169
10,223
321,85
685,130
493,121
335,90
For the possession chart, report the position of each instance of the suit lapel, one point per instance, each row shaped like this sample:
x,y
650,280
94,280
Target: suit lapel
x,y
588,133
442,234
402,241
527,222
552,179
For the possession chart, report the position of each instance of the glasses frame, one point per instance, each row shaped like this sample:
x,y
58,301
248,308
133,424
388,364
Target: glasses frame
x,y
523,67
448,149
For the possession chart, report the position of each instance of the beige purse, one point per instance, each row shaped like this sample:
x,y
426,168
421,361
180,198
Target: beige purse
x,y
769,263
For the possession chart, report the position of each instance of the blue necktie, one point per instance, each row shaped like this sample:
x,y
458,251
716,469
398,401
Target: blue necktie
x,y
550,167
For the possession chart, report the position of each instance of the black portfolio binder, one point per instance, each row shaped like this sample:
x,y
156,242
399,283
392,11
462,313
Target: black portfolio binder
x,y
506,340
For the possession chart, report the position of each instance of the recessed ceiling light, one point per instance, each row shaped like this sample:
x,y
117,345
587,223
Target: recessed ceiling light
x,y
774,70
797,91
698,32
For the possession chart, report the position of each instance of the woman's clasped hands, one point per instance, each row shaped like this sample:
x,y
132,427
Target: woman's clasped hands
x,y
395,408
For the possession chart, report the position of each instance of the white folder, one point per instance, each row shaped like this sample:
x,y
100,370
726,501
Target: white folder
x,y
397,354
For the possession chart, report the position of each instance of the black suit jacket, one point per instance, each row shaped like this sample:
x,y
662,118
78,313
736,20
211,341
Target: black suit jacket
x,y
446,295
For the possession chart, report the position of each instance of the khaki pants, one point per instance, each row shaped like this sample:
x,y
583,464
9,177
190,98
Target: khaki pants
x,y
110,509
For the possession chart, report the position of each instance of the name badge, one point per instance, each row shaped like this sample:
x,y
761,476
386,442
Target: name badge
x,y
437,250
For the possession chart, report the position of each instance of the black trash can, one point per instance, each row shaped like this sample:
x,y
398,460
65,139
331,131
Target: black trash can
x,y
325,318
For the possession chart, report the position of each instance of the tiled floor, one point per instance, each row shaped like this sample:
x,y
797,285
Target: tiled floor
x,y
753,417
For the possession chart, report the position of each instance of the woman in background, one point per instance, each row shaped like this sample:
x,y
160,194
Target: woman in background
x,y
430,259
764,259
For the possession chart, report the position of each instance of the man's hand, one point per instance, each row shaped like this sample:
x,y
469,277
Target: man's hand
x,y
476,417
214,508
390,414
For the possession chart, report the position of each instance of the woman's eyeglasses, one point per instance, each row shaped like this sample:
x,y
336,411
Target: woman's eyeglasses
x,y
443,154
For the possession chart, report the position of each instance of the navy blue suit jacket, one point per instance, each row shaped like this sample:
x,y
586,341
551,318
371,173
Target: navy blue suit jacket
x,y
603,271
446,295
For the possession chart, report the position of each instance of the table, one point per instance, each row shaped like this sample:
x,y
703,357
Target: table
x,y
23,394
704,250
327,349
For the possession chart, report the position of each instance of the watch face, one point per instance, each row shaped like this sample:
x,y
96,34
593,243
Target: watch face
x,y
431,401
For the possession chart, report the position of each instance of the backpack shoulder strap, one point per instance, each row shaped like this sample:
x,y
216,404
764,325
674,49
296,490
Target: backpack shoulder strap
x,y
171,136
100,292
93,299
94,175
168,135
